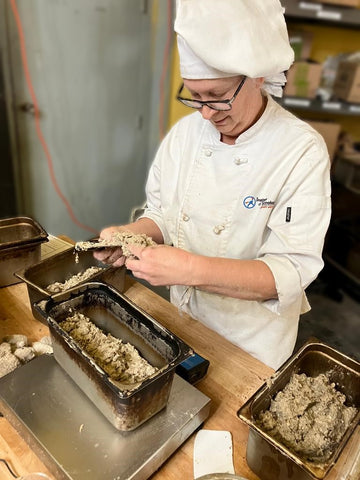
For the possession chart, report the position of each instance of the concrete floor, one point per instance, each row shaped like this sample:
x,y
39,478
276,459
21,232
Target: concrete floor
x,y
333,319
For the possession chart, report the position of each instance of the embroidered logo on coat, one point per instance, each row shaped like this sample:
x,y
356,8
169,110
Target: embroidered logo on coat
x,y
250,202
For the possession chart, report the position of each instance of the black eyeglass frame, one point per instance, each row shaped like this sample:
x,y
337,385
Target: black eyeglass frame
x,y
209,103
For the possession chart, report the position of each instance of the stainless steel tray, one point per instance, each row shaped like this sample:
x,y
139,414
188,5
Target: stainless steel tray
x,y
76,442
125,407
60,267
268,458
20,246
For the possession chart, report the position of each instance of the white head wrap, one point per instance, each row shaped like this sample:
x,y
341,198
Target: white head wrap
x,y
224,38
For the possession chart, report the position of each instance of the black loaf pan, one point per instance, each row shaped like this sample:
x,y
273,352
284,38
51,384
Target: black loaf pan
x,y
125,406
267,457
59,268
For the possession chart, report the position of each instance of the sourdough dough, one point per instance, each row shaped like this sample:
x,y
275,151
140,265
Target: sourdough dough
x,y
58,287
119,239
121,361
8,361
15,351
309,416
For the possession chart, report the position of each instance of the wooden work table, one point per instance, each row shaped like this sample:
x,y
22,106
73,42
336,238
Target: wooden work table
x,y
233,376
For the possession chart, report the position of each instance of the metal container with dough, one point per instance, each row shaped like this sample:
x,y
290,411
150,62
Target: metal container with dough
x,y
125,406
20,246
269,458
59,268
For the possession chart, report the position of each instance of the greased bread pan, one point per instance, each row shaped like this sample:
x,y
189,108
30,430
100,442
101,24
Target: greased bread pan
x,y
126,407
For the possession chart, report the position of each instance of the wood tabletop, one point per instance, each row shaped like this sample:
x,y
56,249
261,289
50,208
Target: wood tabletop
x,y
233,376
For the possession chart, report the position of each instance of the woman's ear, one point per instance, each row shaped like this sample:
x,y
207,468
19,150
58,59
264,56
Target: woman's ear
x,y
259,82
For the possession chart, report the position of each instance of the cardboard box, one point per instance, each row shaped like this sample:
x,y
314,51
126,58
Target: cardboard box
x,y
341,3
347,82
330,132
303,79
301,42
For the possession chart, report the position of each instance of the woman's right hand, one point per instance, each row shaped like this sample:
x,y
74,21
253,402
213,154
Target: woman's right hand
x,y
114,256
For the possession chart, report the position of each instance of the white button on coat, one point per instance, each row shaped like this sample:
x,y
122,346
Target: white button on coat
x,y
218,229
240,161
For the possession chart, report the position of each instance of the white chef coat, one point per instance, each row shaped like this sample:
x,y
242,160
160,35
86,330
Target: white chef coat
x,y
267,197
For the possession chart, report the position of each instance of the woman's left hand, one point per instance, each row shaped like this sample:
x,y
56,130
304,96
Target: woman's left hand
x,y
160,265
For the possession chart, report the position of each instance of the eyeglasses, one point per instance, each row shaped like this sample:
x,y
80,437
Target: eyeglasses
x,y
220,105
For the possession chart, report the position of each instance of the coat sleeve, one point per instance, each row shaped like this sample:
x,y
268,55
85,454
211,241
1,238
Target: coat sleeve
x,y
297,227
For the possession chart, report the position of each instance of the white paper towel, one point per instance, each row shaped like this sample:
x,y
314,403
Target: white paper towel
x,y
213,453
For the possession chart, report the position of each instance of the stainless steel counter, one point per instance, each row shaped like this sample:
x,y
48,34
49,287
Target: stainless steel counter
x,y
76,442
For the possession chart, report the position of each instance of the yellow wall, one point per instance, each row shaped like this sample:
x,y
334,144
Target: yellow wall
x,y
329,41
326,41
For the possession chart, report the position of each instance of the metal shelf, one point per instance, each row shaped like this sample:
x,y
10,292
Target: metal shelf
x,y
322,13
317,105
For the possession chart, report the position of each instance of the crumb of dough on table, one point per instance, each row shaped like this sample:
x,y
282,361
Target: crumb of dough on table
x,y
15,351
8,361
